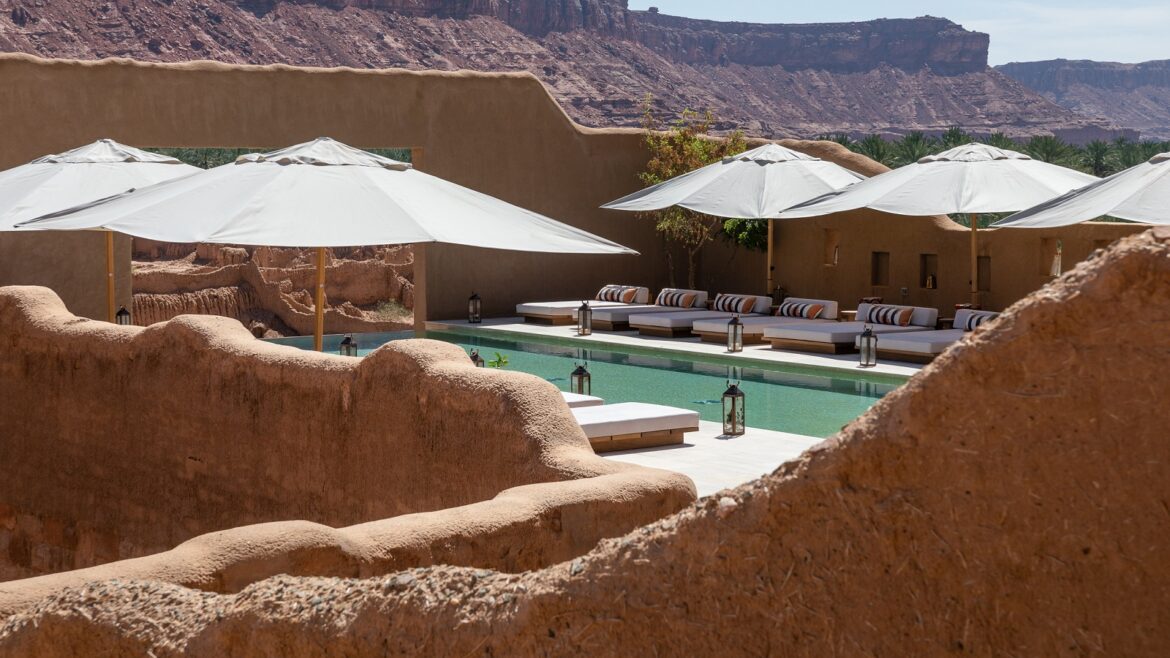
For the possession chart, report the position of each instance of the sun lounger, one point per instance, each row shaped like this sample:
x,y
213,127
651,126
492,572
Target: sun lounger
x,y
715,331
681,323
576,400
629,425
614,318
840,337
923,346
565,312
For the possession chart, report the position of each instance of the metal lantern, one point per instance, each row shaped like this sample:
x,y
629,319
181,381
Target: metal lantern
x,y
735,335
585,320
122,316
474,309
348,346
733,410
580,382
867,342
477,359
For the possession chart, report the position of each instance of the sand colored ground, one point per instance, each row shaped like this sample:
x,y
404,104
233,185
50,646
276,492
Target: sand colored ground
x,y
121,442
1009,500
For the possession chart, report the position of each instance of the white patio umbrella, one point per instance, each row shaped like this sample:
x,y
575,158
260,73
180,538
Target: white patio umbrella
x,y
87,173
1138,194
970,179
755,184
325,194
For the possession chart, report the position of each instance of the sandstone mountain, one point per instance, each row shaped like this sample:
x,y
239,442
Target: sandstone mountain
x,y
599,58
1132,95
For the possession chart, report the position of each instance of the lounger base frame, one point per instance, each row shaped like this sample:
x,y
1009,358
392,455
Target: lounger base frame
x,y
555,320
721,337
666,332
812,346
640,440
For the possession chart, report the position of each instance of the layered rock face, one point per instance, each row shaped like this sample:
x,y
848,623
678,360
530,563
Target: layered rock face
x,y
597,57
1133,95
1009,500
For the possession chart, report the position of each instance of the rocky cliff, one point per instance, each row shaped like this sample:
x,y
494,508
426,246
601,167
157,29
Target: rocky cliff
x,y
1132,95
597,57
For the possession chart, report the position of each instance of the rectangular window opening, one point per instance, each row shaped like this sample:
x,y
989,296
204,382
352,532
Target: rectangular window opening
x,y
984,267
928,271
832,246
1051,251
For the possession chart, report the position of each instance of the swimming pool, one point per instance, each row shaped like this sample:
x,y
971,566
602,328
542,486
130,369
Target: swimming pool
x,y
801,400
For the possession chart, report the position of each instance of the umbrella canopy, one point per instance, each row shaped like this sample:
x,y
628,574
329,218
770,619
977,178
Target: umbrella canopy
x,y
1138,194
755,184
91,172
972,179
325,194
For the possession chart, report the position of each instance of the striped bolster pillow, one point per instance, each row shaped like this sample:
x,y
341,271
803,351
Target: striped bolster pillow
x,y
976,319
799,310
675,298
882,314
734,303
616,293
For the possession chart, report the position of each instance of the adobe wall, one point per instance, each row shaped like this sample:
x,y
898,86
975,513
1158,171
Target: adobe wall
x,y
1009,500
502,134
118,442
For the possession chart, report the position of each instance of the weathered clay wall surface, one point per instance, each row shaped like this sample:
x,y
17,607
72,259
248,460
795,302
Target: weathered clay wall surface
x,y
1009,500
501,134
119,441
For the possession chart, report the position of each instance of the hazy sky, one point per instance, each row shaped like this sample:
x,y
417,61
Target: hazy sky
x,y
1021,30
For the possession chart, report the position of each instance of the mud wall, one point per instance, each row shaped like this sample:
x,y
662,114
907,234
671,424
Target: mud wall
x,y
119,441
502,134
1009,500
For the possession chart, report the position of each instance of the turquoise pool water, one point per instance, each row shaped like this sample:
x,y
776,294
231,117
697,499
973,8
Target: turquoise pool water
x,y
809,401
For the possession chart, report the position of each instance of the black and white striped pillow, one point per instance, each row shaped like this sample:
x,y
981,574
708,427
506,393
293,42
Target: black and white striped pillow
x,y
616,293
884,314
800,310
734,303
677,298
977,318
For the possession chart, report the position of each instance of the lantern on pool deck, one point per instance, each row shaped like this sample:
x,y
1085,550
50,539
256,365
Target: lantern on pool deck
x,y
733,410
585,320
867,343
477,359
348,346
735,335
474,309
580,382
122,316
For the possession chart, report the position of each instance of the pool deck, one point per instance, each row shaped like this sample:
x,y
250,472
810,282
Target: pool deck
x,y
763,354
717,462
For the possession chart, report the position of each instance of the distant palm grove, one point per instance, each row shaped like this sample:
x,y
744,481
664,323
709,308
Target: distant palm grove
x,y
1099,158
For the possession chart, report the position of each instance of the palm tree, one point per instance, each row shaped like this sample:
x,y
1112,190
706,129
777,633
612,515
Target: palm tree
x,y
841,138
1050,149
1097,158
954,136
913,147
1001,141
876,148
1128,153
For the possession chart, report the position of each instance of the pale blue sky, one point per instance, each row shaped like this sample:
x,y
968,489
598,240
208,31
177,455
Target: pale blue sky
x,y
1021,30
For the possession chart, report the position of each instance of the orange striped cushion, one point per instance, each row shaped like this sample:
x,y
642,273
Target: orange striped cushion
x,y
885,314
733,303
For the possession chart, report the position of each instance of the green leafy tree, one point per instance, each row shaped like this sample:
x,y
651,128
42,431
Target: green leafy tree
x,y
1097,158
876,148
913,147
684,147
954,136
1051,149
1001,141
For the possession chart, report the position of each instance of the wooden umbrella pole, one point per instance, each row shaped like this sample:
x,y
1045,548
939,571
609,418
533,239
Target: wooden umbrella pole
x,y
319,332
110,310
974,258
770,268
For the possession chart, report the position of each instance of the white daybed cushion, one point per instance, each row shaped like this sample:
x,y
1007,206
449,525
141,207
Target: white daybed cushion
x,y
919,342
624,313
561,309
921,317
753,325
834,332
576,400
633,418
676,320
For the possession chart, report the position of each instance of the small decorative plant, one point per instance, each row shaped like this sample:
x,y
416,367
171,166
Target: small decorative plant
x,y
500,361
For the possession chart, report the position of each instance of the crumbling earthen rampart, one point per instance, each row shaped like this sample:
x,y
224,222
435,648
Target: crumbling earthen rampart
x,y
118,442
1009,500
